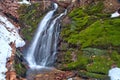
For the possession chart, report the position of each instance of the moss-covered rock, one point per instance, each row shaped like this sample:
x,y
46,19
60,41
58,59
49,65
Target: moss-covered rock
x,y
95,65
91,29
94,8
30,16
94,76
94,38
20,70
81,63
101,33
19,65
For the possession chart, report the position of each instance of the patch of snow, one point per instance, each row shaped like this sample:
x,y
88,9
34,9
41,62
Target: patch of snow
x,y
116,14
70,79
25,2
114,73
8,34
5,52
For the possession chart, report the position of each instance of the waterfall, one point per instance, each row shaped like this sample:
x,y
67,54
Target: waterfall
x,y
43,49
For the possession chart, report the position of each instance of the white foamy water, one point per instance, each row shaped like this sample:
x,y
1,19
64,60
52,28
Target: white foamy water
x,y
43,49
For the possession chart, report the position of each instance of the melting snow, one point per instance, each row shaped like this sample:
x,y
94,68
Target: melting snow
x,y
8,33
24,2
116,14
114,73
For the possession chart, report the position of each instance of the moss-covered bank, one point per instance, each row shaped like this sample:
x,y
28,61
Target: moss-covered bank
x,y
30,16
90,42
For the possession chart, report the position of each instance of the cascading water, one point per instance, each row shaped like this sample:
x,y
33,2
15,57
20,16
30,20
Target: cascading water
x,y
42,51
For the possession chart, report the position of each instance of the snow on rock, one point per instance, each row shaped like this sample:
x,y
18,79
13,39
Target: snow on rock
x,y
5,52
114,73
24,2
116,14
8,34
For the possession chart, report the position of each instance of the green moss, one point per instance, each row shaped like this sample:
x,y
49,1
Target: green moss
x,y
78,12
101,33
99,65
93,75
90,52
80,63
67,57
94,8
30,16
95,65
64,46
115,56
20,69
80,20
94,38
